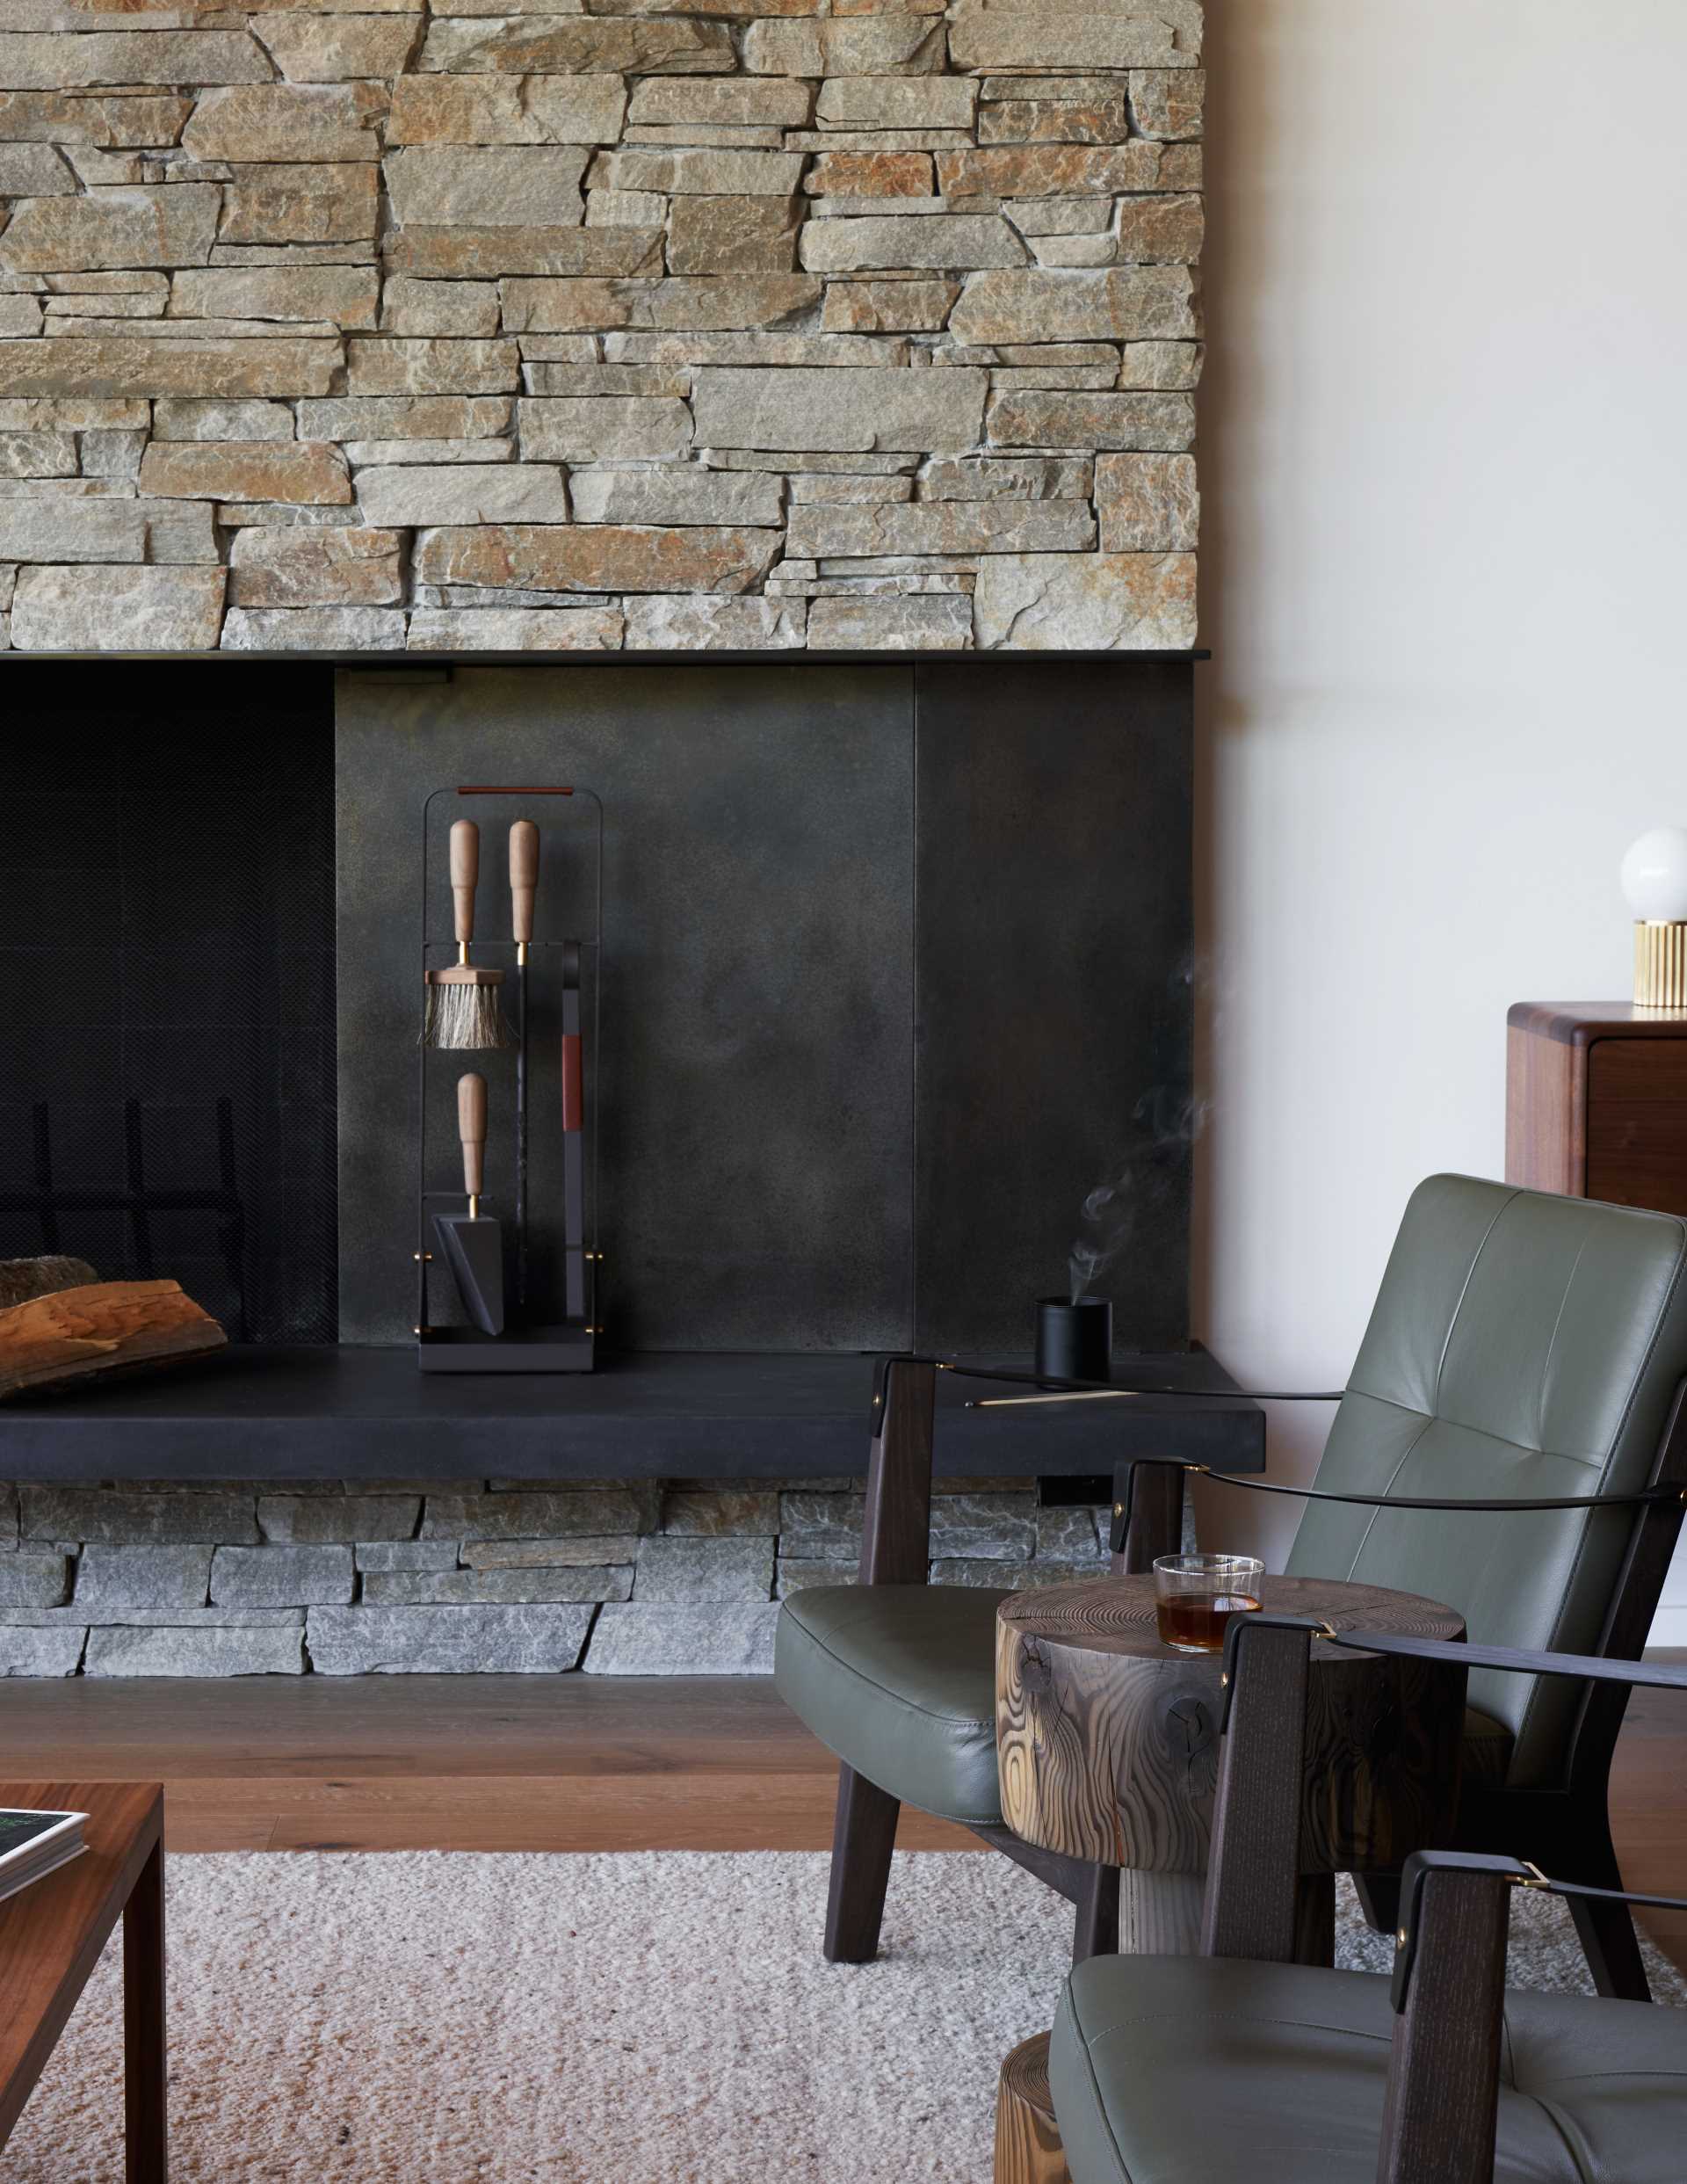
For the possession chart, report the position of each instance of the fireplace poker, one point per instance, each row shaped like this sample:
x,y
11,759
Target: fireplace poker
x,y
574,1140
463,1007
524,889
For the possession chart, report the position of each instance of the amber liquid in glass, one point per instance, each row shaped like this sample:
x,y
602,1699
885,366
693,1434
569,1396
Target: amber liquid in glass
x,y
1201,1619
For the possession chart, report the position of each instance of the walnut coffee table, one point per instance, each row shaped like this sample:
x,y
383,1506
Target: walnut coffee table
x,y
51,1937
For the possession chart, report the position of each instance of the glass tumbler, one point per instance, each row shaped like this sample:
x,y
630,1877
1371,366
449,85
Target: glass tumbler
x,y
1196,1595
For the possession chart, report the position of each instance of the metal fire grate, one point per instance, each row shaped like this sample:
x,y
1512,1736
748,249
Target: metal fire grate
x,y
167,1081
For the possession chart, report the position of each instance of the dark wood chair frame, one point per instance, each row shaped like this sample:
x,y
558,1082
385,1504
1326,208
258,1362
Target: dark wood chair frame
x,y
1441,2105
1569,1826
895,1549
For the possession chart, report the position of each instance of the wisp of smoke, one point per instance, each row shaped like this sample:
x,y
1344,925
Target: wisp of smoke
x,y
1165,1123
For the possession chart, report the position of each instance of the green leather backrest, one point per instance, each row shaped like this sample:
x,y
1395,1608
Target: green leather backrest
x,y
1521,1343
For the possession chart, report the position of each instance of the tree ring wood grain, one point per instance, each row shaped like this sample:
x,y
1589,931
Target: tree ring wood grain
x,y
1108,1741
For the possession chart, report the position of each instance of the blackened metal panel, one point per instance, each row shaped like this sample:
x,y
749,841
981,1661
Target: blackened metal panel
x,y
757,1077
1054,952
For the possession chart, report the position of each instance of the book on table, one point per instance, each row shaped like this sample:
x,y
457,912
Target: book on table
x,y
35,1844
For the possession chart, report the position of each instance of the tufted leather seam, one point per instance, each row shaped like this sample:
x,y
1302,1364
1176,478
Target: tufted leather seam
x,y
1549,2109
1552,1346
1371,1521
1440,1417
1660,1321
1099,2104
1481,1433
955,1721
1247,2017
1617,2078
1500,1211
1440,1366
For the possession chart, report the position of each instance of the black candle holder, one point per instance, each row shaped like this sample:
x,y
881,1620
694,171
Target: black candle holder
x,y
1075,1338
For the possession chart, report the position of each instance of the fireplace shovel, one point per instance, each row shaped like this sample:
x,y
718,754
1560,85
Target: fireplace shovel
x,y
472,1242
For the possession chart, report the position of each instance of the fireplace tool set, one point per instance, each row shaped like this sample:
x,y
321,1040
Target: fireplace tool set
x,y
506,1331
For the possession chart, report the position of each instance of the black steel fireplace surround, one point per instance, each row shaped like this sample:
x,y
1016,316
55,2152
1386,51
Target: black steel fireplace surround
x,y
897,971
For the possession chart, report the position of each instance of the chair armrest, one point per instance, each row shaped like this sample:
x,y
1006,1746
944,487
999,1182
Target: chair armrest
x,y
1448,1994
1147,1519
1448,1974
1518,1660
1128,1493
1443,2088
896,1530
1252,1875
1442,2103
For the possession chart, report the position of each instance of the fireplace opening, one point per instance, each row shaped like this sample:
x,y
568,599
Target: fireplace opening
x,y
882,1002
168,1084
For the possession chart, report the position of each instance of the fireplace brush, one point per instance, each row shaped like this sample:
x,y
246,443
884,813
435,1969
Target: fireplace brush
x,y
463,1006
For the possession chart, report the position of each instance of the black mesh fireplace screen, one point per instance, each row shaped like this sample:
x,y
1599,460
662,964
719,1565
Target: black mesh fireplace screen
x,y
167,1075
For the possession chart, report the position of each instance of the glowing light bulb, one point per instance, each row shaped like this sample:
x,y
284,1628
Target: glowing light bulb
x,y
1654,876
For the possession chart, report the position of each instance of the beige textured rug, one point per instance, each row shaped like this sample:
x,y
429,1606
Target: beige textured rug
x,y
658,2018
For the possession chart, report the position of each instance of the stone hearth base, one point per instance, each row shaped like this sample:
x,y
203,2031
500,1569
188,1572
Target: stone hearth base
x,y
469,1576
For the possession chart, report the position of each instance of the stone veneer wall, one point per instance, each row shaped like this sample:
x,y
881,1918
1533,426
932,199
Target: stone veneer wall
x,y
660,1579
514,324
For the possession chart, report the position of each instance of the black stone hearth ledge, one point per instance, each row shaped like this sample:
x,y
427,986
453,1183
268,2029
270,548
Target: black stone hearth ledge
x,y
349,1414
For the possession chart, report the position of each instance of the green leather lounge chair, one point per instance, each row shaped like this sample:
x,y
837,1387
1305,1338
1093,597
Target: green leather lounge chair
x,y
1240,2064
1522,1347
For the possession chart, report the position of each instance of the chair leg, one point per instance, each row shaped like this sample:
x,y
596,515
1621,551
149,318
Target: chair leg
x,y
1604,1931
864,1835
1379,1895
1095,1930
1607,1935
1314,1919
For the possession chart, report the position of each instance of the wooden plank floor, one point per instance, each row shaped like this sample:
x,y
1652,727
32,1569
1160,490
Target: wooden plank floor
x,y
447,1762
568,1763
1648,1806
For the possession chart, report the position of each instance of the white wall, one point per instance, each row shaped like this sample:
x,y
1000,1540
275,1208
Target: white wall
x,y
1441,441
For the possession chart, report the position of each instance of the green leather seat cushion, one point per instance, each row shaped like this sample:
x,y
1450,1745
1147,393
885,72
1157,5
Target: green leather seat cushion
x,y
899,1681
1208,2071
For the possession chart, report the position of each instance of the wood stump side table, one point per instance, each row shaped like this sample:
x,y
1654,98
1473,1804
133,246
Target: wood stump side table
x,y
1107,1741
1108,1747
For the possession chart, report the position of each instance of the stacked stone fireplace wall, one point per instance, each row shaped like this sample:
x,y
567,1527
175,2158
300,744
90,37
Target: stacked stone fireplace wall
x,y
537,325
431,1578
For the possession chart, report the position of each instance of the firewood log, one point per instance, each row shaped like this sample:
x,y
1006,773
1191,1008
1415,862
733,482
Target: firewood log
x,y
100,1327
21,1279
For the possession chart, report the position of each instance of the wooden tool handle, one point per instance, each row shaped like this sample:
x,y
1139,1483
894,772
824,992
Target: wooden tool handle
x,y
524,877
465,871
471,1129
